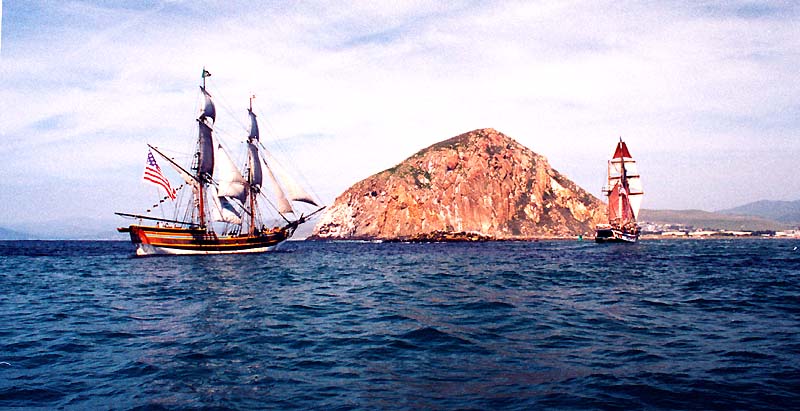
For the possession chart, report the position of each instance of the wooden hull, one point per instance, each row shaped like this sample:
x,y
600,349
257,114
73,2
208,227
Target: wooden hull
x,y
615,235
155,240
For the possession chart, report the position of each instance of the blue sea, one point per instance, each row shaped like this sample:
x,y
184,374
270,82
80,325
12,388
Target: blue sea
x,y
708,324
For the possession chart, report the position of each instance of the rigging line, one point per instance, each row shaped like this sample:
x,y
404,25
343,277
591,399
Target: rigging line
x,y
163,200
286,153
273,206
286,170
221,134
223,102
264,120
173,162
144,217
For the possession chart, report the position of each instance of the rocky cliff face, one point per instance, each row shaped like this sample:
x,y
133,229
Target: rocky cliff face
x,y
482,182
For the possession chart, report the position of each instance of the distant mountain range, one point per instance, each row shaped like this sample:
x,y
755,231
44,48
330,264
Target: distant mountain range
x,y
711,220
73,229
781,211
6,234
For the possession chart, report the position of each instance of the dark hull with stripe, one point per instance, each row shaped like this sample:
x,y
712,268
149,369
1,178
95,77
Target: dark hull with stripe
x,y
615,235
154,240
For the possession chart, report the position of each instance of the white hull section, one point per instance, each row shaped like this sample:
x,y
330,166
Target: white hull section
x,y
148,249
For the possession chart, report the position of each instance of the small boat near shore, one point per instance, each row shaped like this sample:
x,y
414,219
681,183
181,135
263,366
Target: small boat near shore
x,y
222,213
624,192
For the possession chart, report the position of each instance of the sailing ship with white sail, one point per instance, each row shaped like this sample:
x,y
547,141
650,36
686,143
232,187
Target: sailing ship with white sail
x,y
224,210
624,191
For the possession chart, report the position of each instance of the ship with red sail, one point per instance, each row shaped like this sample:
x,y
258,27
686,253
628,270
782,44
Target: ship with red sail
x,y
220,208
624,192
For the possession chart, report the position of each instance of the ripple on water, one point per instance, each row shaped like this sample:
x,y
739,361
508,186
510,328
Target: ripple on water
x,y
513,325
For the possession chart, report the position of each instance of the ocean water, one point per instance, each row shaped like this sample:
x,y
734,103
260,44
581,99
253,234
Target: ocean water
x,y
710,324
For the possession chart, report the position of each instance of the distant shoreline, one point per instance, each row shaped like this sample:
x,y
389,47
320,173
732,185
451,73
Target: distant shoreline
x,y
537,239
499,240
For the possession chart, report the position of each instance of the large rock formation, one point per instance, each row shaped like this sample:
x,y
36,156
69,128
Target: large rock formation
x,y
479,182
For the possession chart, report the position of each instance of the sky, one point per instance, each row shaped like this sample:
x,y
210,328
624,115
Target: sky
x,y
704,93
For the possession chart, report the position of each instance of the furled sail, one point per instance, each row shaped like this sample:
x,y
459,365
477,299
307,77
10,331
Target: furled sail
x,y
223,210
230,181
205,165
256,176
208,110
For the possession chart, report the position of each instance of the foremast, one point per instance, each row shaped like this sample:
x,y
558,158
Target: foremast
x,y
204,156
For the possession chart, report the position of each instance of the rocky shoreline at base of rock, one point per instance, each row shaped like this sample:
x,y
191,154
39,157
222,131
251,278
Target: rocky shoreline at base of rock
x,y
444,237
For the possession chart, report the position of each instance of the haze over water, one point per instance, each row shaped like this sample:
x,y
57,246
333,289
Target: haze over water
x,y
520,325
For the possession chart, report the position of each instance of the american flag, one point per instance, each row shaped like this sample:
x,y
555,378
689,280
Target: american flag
x,y
152,174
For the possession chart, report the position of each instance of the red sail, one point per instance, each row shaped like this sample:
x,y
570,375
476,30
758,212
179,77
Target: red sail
x,y
619,207
625,207
622,151
613,204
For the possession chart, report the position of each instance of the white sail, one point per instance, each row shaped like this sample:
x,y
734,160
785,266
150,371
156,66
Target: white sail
x,y
230,181
294,191
208,109
635,190
614,168
635,194
282,205
636,204
222,209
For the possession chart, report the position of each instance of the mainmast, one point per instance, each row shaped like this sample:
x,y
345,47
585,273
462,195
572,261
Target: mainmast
x,y
252,229
254,177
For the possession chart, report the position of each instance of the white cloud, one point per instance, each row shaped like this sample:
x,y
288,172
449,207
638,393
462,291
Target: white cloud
x,y
376,83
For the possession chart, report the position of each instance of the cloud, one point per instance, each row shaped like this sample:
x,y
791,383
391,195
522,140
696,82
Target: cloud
x,y
374,83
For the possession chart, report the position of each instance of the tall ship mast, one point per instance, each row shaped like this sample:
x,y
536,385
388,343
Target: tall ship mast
x,y
624,191
222,212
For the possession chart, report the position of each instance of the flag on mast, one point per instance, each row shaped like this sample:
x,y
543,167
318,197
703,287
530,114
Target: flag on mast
x,y
153,175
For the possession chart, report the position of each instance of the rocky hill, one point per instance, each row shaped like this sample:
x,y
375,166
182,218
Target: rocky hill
x,y
481,182
707,220
781,211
